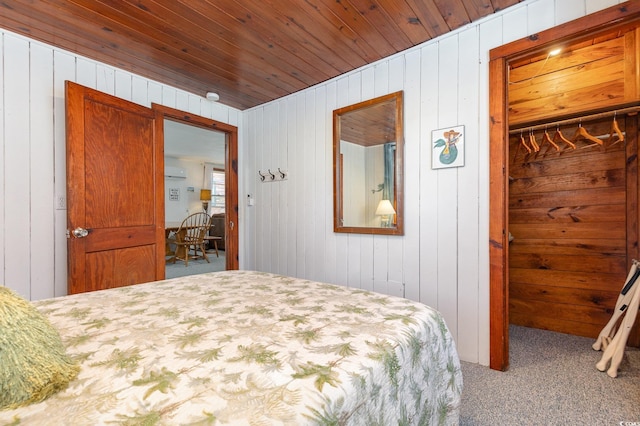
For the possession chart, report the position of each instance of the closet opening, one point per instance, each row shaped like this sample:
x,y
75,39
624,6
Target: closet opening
x,y
572,212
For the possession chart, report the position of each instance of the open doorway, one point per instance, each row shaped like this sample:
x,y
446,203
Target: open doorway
x,y
201,174
194,181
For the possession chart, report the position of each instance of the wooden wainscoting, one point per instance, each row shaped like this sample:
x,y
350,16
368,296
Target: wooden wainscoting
x,y
573,216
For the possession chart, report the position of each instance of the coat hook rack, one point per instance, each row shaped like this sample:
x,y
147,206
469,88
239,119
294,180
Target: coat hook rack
x,y
269,176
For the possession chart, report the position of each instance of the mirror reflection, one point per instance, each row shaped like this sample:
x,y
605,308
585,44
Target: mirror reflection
x,y
368,166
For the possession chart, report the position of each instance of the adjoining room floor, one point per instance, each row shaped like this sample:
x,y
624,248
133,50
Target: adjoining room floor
x,y
196,266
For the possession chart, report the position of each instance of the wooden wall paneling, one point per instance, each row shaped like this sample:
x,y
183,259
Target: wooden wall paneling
x,y
448,187
354,95
280,161
538,16
582,231
330,251
428,217
3,160
272,250
498,224
291,132
381,243
17,200
64,68
490,35
368,278
320,191
262,199
632,127
413,146
42,192
631,65
250,183
272,139
342,240
468,196
395,277
592,77
300,198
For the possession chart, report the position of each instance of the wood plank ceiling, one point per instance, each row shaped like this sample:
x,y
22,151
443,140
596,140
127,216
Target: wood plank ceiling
x,y
248,51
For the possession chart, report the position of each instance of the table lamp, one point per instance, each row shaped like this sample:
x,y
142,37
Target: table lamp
x,y
205,197
385,210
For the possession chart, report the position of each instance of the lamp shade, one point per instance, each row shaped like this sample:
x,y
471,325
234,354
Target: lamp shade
x,y
205,194
385,208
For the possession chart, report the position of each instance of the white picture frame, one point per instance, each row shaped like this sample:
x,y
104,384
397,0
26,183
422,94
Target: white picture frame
x,y
447,147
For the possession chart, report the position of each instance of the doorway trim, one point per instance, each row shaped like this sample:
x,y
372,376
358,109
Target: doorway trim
x,y
231,174
499,58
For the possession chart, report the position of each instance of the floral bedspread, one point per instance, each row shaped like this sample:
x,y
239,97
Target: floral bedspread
x,y
250,348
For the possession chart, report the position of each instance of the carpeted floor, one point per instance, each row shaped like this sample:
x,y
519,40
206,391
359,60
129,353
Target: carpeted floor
x,y
552,380
198,266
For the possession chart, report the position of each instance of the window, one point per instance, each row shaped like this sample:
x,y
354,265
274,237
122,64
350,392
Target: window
x,y
217,188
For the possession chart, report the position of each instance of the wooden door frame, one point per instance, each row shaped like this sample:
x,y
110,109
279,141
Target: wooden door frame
x,y
499,58
231,173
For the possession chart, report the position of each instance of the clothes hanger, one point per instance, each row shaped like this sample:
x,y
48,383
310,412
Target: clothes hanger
x,y
559,137
581,132
615,131
532,141
524,143
547,139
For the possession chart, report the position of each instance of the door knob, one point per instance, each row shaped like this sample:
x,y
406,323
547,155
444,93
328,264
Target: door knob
x,y
80,232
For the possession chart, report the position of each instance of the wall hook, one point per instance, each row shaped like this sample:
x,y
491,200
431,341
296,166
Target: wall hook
x,y
261,176
282,174
273,177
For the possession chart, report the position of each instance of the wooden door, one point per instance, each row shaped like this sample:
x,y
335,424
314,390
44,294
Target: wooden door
x,y
114,191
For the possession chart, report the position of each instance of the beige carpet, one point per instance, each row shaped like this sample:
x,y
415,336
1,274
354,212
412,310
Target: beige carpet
x,y
552,380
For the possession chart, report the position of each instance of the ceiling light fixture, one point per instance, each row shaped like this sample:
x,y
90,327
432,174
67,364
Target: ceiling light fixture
x,y
213,97
554,52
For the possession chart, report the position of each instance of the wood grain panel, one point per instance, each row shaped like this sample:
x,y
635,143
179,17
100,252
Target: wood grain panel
x,y
248,52
602,281
118,268
568,217
588,297
572,214
552,231
558,262
590,77
578,246
530,311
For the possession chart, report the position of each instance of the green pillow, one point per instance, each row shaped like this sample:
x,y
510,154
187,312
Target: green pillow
x,y
33,361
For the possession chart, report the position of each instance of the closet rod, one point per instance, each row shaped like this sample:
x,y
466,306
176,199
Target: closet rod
x,y
576,120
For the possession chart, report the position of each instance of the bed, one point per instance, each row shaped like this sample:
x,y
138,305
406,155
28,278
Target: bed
x,y
249,348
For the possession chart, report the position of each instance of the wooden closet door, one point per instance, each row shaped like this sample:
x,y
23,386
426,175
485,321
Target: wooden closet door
x,y
574,219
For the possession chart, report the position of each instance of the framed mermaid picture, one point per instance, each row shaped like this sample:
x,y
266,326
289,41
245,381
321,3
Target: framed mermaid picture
x,y
447,147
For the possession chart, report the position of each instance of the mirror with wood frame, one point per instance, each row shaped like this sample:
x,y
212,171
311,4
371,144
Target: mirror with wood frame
x,y
368,173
